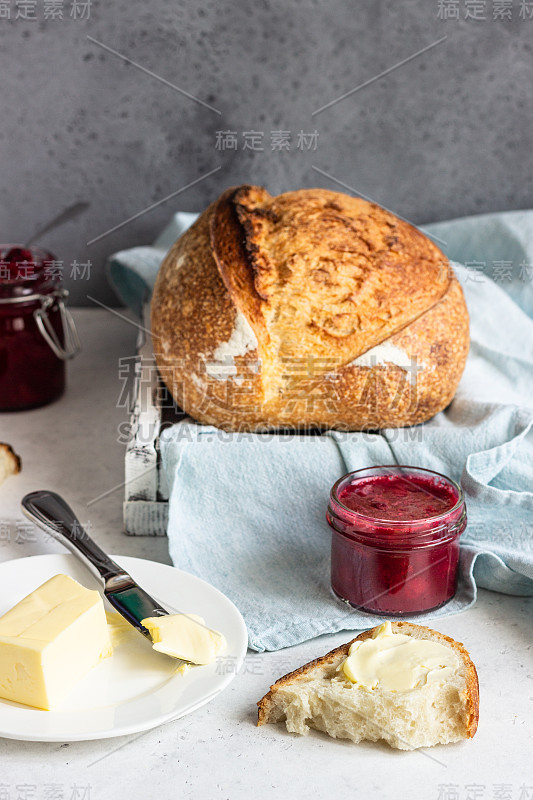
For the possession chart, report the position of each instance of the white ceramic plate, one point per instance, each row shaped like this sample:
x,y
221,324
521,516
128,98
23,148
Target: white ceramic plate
x,y
137,688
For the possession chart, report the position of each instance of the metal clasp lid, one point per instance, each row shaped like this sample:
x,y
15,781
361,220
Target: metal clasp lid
x,y
72,344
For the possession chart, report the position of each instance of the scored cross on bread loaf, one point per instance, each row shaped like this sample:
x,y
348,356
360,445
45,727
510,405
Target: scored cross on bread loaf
x,y
319,696
312,308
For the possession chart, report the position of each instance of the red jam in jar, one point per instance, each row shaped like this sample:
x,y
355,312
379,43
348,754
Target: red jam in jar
x,y
395,539
37,332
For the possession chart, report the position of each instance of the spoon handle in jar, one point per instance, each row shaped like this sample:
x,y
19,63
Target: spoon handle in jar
x,y
64,216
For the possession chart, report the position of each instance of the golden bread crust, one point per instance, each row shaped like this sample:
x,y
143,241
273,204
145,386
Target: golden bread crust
x,y
336,271
262,306
192,314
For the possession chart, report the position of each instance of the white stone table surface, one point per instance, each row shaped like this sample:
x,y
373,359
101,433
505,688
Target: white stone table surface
x,y
217,752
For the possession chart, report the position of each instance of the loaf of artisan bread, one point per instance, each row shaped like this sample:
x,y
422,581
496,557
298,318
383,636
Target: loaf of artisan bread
x,y
310,309
9,462
319,696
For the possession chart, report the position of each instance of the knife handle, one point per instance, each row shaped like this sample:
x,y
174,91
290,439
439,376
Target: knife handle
x,y
51,513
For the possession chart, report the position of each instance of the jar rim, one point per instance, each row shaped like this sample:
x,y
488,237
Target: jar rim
x,y
34,248
41,257
391,523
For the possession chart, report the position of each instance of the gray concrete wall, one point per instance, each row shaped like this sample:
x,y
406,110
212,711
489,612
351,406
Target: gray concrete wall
x,y
446,134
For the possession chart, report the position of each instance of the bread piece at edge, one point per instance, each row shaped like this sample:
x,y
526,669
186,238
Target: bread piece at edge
x,y
320,667
10,462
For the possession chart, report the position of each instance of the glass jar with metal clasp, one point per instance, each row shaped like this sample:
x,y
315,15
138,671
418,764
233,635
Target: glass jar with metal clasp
x,y
37,332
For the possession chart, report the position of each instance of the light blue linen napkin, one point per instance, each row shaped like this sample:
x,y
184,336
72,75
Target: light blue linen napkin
x,y
247,511
132,272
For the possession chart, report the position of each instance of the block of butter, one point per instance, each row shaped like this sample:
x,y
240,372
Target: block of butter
x,y
50,640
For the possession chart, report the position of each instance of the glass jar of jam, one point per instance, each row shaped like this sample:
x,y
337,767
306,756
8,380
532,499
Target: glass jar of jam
x,y
395,539
37,333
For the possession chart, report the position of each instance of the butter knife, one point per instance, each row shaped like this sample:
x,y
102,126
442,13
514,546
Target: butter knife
x,y
51,513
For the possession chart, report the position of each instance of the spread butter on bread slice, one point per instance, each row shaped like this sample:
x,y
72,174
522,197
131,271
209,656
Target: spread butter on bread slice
x,y
9,462
441,707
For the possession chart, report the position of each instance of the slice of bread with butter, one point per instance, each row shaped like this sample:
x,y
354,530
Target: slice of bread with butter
x,y
405,684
